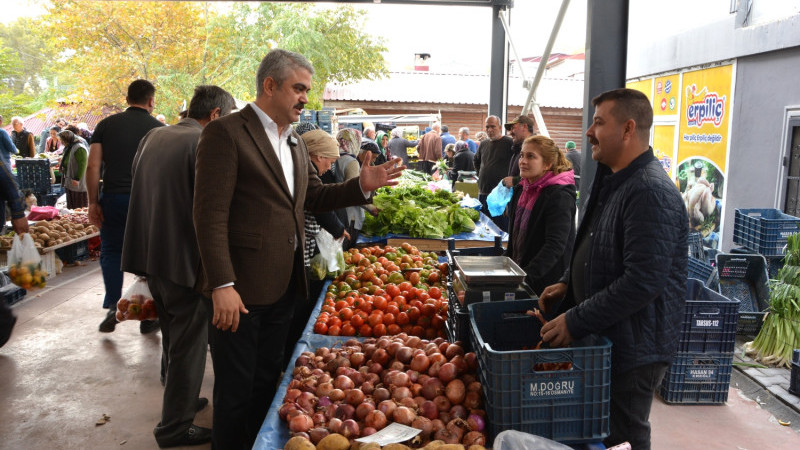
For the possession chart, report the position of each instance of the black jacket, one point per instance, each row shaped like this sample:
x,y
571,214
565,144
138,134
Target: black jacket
x,y
549,237
461,161
635,273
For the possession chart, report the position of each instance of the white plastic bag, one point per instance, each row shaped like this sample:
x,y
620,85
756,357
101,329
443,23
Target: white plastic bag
x,y
330,258
137,302
512,440
25,264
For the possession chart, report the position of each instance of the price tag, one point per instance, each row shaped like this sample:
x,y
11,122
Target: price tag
x,y
487,296
394,433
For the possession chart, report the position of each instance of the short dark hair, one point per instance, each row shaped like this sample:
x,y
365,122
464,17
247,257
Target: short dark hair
x,y
207,97
445,129
629,104
276,65
140,92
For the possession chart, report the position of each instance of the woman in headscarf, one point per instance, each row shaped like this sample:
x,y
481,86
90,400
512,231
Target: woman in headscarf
x,y
398,145
73,169
382,139
542,213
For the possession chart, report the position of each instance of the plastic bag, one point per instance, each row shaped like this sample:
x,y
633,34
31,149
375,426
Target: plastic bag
x,y
43,213
330,259
137,302
512,440
25,264
498,199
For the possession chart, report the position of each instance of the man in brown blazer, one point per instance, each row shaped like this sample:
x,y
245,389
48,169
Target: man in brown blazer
x,y
253,180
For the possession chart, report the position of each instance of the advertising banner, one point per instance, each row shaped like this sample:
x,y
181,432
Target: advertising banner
x,y
666,95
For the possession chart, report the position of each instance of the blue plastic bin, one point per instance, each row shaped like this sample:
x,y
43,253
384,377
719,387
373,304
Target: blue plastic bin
x,y
709,321
569,406
764,230
744,277
704,272
698,378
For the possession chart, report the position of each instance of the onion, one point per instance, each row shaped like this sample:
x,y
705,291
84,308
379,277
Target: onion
x,y
447,372
380,394
429,410
445,417
457,427
345,411
330,411
437,425
375,368
476,423
432,388
475,386
335,425
387,407
403,415
408,402
369,350
474,438
368,431
333,365
357,359
381,356
424,424
301,422
302,360
442,403
455,391
400,393
398,379
291,395
285,409
373,378
397,365
419,400
460,363
416,390
349,429
472,400
322,351
367,388
446,437
453,350
443,347
472,361
437,357
433,370
376,419
404,354
324,402
363,409
317,434
413,376
439,340
420,363
344,383
336,395
353,343
354,397
324,389
307,402
414,342
458,411
393,348
302,435
357,377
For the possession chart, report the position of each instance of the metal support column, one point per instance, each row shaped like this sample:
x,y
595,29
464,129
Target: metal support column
x,y
606,58
498,75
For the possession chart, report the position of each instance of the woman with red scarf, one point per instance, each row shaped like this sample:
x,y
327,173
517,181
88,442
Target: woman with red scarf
x,y
542,213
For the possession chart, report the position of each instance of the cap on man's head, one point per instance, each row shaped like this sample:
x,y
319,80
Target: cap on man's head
x,y
521,119
569,145
320,143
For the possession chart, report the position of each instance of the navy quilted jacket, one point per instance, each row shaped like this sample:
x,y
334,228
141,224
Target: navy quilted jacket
x,y
635,277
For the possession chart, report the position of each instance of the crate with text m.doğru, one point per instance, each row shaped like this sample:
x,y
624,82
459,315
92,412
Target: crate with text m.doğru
x,y
561,394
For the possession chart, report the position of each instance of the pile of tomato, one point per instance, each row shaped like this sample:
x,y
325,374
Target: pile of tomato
x,y
386,291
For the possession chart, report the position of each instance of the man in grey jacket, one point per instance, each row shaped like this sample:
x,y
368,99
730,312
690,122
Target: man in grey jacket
x,y
627,277
160,244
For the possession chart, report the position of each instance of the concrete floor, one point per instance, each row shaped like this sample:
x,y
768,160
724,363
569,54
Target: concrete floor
x,y
59,376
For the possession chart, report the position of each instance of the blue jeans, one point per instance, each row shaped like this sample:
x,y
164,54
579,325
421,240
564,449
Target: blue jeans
x,y
115,214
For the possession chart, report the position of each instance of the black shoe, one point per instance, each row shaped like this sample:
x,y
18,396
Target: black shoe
x,y
194,436
202,402
148,326
110,322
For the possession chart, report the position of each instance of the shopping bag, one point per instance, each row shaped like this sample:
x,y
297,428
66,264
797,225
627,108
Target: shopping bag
x,y
25,264
498,199
330,259
137,303
43,213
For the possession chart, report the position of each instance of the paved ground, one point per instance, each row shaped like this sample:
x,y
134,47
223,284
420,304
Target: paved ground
x,y
59,375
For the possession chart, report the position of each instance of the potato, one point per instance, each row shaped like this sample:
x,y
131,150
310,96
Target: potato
x,y
334,442
298,443
369,446
396,447
433,444
476,447
450,447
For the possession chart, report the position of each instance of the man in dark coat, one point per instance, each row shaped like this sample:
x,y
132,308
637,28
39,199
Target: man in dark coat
x,y
161,193
627,278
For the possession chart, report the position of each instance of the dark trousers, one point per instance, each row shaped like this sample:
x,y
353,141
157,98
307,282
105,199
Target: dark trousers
x,y
631,399
426,166
183,317
247,367
115,214
302,314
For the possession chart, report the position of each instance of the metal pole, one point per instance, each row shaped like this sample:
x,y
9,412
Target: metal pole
x,y
498,76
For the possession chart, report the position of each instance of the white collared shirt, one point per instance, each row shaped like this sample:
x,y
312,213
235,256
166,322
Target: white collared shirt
x,y
280,145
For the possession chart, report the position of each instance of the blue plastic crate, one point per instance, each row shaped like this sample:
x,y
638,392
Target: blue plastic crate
x,y
569,406
704,272
698,378
74,252
709,321
744,277
12,293
764,230
308,115
34,174
695,244
774,263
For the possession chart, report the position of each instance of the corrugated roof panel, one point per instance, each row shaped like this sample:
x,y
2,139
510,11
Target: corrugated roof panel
x,y
426,87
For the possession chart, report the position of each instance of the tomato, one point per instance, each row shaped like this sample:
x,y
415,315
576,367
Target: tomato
x,y
423,296
328,309
375,318
348,330
341,304
416,303
388,319
433,277
437,321
424,322
346,314
357,321
320,328
428,310
393,309
402,318
379,303
399,299
405,286
413,314
379,330
418,331
365,330
392,290
413,278
334,330
393,329
435,292
431,333
395,276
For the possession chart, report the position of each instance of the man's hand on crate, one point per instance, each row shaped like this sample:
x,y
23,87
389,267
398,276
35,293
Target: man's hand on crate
x,y
551,295
556,333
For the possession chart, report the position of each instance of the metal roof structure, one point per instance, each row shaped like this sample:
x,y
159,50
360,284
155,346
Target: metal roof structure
x,y
430,87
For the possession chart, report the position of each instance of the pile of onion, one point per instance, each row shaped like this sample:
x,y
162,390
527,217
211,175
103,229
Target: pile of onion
x,y
361,387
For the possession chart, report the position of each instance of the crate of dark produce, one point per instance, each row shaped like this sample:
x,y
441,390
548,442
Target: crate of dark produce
x,y
698,378
744,278
709,321
764,230
562,394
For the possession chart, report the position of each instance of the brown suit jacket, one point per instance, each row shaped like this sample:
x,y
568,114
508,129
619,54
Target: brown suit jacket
x,y
247,223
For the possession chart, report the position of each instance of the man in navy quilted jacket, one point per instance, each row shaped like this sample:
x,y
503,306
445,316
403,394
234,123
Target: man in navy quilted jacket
x,y
627,277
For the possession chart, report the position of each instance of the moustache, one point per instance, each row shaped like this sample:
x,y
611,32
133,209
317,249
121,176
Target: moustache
x,y
300,105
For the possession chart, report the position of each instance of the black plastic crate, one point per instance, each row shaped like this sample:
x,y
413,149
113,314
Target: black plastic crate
x,y
704,272
794,376
774,263
744,277
34,174
524,391
12,293
73,252
764,230
709,321
698,378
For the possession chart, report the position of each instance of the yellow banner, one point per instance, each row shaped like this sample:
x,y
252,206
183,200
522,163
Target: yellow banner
x,y
664,145
645,86
704,115
666,99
